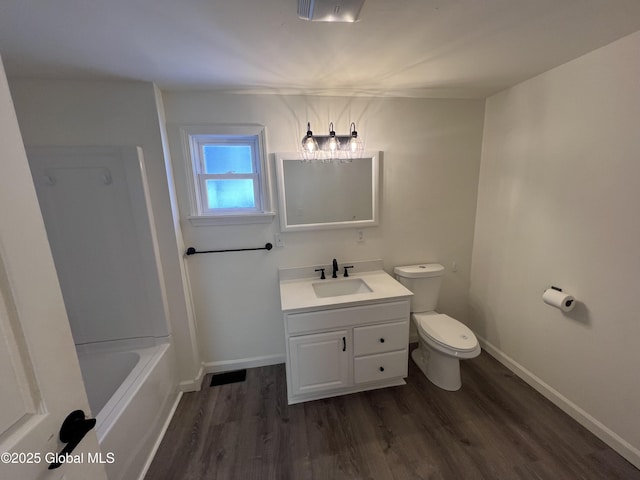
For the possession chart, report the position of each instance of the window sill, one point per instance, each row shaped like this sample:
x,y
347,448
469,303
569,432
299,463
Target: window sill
x,y
204,221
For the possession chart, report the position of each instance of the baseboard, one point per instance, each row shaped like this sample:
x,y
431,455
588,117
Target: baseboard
x,y
192,385
605,434
228,365
158,441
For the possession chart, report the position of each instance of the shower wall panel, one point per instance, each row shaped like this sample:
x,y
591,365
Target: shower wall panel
x,y
95,206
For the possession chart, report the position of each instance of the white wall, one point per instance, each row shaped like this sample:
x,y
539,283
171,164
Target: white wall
x,y
62,112
429,185
558,205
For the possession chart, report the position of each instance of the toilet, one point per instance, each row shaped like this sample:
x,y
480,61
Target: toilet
x,y
443,341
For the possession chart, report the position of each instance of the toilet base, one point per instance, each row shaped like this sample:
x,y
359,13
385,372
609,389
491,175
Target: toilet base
x,y
441,370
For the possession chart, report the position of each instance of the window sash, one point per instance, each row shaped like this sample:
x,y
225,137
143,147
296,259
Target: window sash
x,y
204,196
198,144
252,144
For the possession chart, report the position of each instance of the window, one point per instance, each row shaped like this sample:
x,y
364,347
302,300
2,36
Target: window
x,y
228,167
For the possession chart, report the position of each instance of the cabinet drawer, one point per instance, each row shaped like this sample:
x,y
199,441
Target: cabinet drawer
x,y
297,323
382,366
380,338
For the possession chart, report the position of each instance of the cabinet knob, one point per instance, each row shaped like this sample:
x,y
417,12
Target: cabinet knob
x,y
382,340
382,369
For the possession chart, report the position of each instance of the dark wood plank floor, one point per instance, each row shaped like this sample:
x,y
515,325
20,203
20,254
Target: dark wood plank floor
x,y
495,427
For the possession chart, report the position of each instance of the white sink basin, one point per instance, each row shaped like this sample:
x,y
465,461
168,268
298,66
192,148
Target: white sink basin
x,y
338,288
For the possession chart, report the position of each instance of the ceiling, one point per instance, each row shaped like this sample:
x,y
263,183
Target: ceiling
x,y
411,48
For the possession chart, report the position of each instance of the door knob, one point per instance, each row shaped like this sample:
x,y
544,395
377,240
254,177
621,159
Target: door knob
x,y
73,430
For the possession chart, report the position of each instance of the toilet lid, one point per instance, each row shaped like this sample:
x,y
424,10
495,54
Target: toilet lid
x,y
446,331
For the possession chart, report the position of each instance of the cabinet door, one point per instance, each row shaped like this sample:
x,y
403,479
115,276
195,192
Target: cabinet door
x,y
319,362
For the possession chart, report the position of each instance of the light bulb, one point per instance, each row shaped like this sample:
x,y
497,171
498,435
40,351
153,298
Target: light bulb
x,y
355,144
310,144
333,144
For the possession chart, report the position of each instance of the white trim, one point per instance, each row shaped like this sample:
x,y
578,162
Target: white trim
x,y
192,385
161,434
608,436
282,201
197,215
204,220
252,362
198,142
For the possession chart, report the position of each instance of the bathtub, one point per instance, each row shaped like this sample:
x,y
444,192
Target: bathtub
x,y
131,386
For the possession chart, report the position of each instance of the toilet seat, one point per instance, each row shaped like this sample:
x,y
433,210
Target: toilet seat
x,y
446,332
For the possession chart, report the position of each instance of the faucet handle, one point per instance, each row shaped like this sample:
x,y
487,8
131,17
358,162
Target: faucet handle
x,y
346,272
322,277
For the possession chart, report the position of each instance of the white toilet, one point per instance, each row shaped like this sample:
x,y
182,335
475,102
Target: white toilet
x,y
443,340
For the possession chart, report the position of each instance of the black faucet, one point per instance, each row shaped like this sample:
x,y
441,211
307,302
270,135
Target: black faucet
x,y
335,269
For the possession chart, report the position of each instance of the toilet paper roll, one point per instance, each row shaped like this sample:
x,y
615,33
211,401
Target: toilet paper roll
x,y
558,299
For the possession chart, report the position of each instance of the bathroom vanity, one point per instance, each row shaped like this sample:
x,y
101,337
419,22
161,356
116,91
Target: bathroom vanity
x,y
345,334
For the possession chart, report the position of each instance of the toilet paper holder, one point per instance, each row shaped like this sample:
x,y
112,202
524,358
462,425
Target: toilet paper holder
x,y
552,287
567,303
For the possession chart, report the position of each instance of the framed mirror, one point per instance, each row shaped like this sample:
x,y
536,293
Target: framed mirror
x,y
322,195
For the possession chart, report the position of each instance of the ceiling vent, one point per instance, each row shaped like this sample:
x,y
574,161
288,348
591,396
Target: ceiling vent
x,y
330,10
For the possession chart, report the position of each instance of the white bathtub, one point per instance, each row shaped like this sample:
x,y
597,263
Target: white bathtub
x,y
131,385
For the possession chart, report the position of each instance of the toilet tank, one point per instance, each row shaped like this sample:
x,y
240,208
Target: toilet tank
x,y
424,281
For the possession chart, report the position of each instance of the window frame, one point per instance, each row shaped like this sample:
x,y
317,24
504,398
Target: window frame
x,y
198,144
195,137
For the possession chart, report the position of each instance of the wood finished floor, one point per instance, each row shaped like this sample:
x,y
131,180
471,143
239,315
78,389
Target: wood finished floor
x,y
495,427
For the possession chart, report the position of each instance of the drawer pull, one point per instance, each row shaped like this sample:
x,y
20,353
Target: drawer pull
x,y
382,340
344,344
382,369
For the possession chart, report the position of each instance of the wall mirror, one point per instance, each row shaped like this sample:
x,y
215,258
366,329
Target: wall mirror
x,y
322,195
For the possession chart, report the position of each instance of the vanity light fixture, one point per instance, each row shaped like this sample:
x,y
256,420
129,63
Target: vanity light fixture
x,y
330,10
326,148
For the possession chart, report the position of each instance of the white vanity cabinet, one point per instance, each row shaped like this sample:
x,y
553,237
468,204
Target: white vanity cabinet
x,y
345,350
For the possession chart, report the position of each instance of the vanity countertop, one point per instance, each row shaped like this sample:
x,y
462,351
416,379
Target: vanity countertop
x,y
297,294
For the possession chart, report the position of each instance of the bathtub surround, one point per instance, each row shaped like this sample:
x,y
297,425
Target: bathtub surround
x,y
95,205
75,112
558,205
